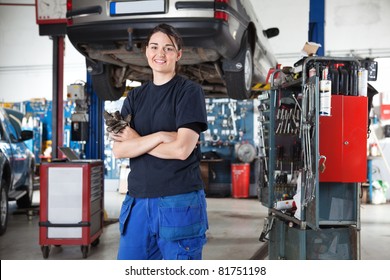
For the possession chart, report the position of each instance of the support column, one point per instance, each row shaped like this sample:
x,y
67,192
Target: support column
x,y
58,94
95,145
317,24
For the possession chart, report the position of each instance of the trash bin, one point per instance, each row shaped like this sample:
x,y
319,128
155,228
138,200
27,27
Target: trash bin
x,y
240,180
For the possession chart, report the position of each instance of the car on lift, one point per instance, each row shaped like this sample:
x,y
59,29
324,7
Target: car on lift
x,y
226,49
17,164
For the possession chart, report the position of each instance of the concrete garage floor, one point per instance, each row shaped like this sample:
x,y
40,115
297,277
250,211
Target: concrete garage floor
x,y
235,226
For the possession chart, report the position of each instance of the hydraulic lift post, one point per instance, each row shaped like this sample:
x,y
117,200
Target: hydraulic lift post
x,y
58,93
95,146
317,24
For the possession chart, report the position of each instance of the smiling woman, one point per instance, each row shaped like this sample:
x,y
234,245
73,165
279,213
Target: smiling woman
x,y
164,213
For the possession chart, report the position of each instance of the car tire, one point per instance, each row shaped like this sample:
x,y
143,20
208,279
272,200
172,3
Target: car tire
x,y
26,200
104,86
3,207
239,73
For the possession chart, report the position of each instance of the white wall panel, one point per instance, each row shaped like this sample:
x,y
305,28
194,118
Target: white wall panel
x,y
26,57
291,17
357,25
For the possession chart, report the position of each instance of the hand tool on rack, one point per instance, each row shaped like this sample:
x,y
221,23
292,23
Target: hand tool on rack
x,y
286,120
233,117
308,121
279,118
262,150
280,157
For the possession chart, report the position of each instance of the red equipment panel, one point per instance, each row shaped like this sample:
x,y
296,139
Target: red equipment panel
x,y
343,140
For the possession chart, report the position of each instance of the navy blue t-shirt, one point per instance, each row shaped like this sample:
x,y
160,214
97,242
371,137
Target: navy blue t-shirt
x,y
178,103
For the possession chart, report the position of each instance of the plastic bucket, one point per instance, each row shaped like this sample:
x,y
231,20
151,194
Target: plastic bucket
x,y
240,180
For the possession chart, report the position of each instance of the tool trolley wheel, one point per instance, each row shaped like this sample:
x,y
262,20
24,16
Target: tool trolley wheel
x,y
84,250
95,242
45,251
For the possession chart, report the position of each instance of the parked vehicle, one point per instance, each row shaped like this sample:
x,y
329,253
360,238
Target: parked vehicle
x,y
17,164
226,49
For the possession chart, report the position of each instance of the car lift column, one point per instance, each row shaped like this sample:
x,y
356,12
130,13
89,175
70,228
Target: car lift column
x,y
95,145
57,33
58,100
317,24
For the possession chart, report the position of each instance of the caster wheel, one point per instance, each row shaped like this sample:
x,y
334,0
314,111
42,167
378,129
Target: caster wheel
x,y
45,251
84,251
95,242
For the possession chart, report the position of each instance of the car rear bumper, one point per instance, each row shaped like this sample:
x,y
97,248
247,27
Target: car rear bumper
x,y
203,33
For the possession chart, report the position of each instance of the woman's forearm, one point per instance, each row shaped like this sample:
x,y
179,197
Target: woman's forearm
x,y
180,148
162,144
136,146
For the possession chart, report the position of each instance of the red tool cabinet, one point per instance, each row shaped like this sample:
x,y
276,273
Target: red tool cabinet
x,y
343,140
71,205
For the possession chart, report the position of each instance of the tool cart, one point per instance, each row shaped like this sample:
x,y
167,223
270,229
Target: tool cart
x,y
71,205
313,157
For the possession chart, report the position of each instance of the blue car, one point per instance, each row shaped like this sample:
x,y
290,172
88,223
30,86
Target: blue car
x,y
17,164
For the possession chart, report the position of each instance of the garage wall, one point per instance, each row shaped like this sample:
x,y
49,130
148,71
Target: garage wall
x,y
360,26
26,57
352,26
291,17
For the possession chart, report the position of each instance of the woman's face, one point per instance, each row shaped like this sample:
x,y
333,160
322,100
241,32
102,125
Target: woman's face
x,y
162,53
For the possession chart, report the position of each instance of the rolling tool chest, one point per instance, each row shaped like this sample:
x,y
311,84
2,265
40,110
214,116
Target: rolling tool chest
x,y
312,145
71,205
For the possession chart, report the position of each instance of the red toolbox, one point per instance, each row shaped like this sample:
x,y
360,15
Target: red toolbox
x,y
71,204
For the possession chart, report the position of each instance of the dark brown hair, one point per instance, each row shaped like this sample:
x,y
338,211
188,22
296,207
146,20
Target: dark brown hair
x,y
170,31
